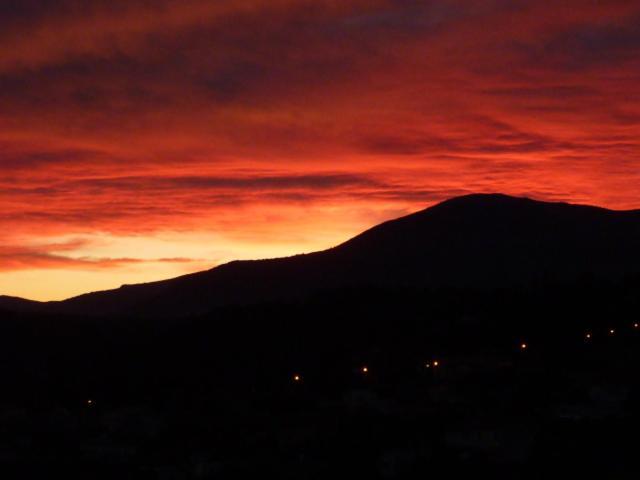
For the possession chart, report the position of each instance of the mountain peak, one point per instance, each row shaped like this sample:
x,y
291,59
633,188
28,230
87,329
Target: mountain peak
x,y
486,197
473,241
493,200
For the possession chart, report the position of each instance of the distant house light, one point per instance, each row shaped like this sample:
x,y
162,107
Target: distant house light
x,y
436,363
523,346
364,369
89,402
612,331
297,378
588,336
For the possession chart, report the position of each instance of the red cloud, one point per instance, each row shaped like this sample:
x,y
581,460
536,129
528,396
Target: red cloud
x,y
241,117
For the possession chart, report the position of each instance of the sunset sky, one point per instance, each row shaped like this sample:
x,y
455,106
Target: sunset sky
x,y
141,140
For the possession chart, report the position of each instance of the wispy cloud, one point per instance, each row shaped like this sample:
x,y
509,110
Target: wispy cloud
x,y
60,256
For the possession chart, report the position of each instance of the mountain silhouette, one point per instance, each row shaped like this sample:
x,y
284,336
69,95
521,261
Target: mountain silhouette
x,y
480,241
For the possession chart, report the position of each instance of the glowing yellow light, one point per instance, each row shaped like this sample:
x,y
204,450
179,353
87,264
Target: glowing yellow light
x,y
588,336
89,402
436,363
523,346
297,378
612,331
635,325
365,369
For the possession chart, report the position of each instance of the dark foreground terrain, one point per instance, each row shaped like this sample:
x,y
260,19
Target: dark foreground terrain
x,y
215,396
486,337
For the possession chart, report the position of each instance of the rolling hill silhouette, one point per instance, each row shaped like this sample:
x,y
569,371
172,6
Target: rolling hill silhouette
x,y
262,362
481,241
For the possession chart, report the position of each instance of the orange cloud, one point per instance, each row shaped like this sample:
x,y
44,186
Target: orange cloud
x,y
271,127
18,257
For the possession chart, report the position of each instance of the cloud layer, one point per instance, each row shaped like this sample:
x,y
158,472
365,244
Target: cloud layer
x,y
254,128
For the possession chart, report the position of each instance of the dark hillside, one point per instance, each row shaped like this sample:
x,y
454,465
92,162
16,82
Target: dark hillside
x,y
478,242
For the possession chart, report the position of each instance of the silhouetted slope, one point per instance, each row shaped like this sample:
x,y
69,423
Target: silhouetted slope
x,y
475,241
497,240
8,303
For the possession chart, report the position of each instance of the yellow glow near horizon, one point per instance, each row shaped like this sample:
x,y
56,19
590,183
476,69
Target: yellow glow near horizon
x,y
106,262
63,266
